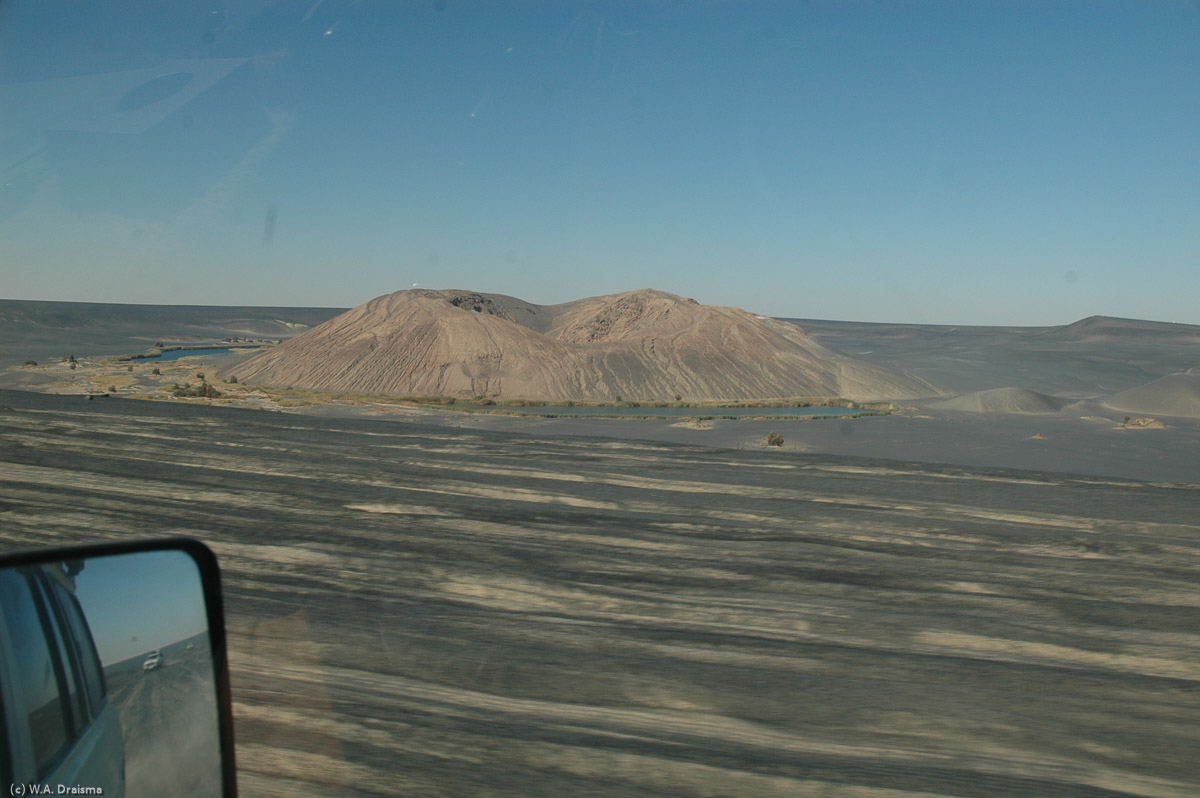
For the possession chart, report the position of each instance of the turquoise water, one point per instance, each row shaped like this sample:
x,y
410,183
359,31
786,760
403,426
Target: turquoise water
x,y
176,354
687,412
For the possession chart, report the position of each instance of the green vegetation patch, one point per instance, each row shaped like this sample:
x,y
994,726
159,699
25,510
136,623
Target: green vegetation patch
x,y
292,397
201,390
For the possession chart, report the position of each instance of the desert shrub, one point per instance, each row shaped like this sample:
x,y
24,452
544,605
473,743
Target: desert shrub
x,y
112,389
233,380
204,390
618,398
30,362
156,370
774,439
70,358
678,398
72,366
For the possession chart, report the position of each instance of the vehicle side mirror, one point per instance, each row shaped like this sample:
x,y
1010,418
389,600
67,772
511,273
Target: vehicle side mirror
x,y
114,678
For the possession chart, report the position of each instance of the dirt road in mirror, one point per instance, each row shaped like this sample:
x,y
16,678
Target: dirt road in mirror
x,y
443,612
169,720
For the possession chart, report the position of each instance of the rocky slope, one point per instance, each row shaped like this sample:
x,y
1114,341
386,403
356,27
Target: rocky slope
x,y
645,345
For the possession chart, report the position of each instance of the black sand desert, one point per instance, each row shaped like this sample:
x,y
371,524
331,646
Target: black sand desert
x,y
990,592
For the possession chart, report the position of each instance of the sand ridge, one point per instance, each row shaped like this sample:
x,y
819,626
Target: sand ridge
x,y
1004,400
1173,395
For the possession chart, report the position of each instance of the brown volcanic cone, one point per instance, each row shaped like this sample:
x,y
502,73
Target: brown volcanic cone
x,y
639,345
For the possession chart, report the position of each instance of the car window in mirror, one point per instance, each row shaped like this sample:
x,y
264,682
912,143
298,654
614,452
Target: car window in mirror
x,y
111,676
32,687
83,647
67,667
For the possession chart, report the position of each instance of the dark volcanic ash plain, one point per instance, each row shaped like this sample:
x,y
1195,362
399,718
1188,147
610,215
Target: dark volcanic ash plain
x,y
1102,396
419,610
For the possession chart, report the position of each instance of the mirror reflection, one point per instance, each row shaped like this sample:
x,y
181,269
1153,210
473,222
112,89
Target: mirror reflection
x,y
106,678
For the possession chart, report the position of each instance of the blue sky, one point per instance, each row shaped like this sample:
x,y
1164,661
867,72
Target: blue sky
x,y
138,602
939,162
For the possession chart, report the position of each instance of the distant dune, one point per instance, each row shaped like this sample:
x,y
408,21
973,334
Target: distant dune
x,y
643,344
1117,330
1173,395
1097,356
1004,400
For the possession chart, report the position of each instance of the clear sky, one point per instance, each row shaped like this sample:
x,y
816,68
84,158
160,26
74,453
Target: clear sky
x,y
138,602
943,162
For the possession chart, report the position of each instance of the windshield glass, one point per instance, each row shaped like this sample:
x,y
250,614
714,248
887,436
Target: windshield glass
x,y
630,398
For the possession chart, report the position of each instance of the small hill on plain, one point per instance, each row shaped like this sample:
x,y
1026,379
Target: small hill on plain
x,y
1095,329
644,345
1173,395
1004,400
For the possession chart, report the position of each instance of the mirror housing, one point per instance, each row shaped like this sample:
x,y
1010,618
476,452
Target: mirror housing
x,y
114,672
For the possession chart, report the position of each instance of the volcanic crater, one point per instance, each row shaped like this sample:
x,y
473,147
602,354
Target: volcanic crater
x,y
643,345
